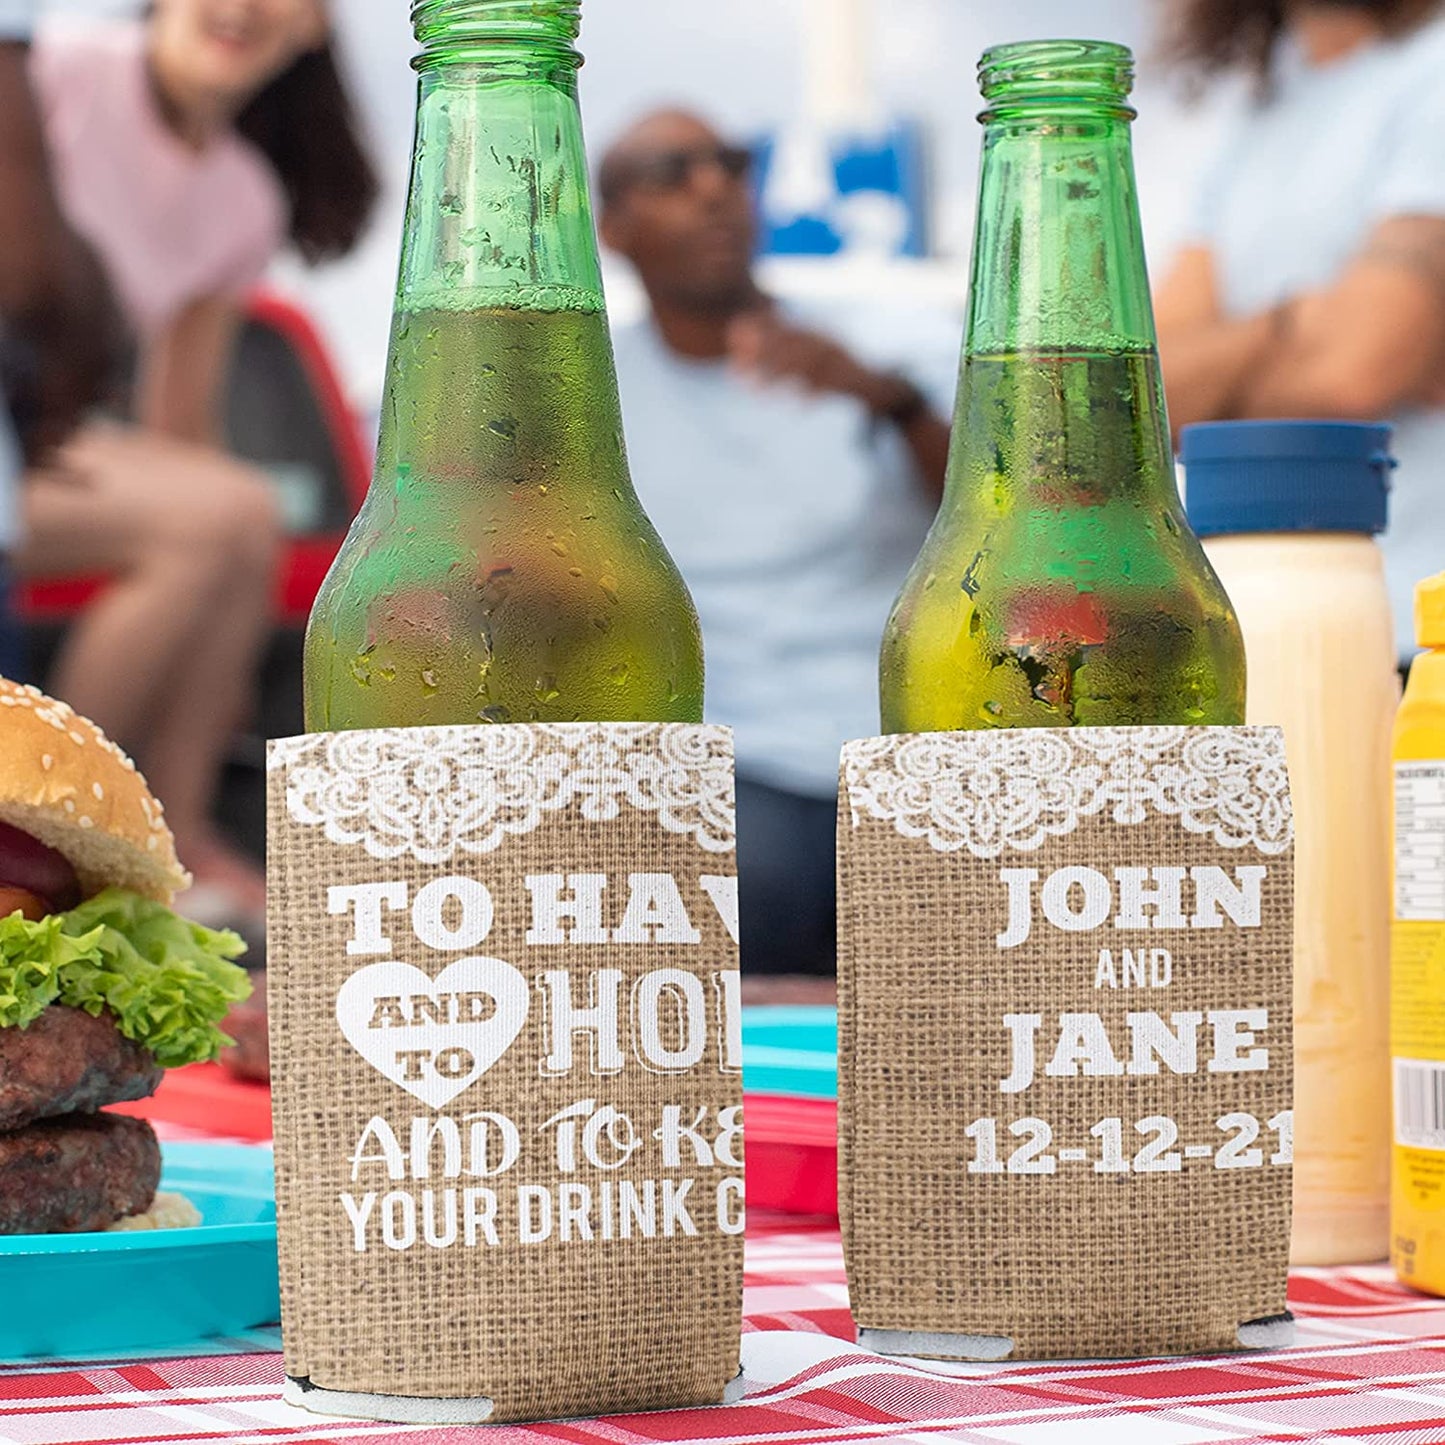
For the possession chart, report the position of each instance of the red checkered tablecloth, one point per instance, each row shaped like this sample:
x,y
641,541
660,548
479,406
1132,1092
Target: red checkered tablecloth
x,y
1368,1366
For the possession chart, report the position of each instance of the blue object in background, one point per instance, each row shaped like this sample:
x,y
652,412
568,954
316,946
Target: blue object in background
x,y
74,1295
791,1051
824,194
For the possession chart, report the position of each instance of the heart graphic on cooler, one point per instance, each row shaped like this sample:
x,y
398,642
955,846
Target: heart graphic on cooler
x,y
433,1037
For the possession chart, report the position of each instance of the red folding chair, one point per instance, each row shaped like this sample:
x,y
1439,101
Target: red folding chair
x,y
286,412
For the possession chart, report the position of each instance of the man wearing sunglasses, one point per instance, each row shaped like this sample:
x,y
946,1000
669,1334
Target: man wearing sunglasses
x,y
792,458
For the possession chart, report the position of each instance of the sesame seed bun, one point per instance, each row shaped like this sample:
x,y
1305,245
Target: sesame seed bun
x,y
64,782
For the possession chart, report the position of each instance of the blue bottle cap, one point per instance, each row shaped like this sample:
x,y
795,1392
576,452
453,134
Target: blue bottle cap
x,y
1287,476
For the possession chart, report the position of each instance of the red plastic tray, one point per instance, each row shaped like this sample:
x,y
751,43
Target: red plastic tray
x,y
207,1098
792,1152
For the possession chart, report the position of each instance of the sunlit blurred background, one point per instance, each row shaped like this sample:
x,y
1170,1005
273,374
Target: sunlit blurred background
x,y
1294,198
820,81
861,118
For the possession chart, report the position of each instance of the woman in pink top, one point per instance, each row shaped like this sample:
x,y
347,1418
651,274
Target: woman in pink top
x,y
189,148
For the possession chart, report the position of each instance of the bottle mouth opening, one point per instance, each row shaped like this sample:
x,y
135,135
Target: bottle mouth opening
x,y
464,29
1057,75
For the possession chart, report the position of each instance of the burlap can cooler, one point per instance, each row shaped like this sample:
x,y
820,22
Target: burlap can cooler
x,y
1065,1059
506,1051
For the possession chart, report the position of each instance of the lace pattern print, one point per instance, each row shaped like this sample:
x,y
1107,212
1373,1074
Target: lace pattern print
x,y
1009,791
439,793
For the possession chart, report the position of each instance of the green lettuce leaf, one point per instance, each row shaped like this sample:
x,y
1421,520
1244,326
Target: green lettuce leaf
x,y
167,981
32,957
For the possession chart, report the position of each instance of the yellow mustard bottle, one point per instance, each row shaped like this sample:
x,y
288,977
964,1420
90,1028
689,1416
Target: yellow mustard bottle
x,y
1417,958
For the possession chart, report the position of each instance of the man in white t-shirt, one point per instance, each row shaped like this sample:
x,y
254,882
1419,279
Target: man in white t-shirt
x,y
57,332
1313,284
792,458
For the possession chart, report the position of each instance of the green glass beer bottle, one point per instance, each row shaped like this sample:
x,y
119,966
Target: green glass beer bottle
x,y
502,568
1060,584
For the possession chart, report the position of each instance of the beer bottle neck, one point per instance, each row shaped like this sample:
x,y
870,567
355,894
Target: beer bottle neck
x,y
501,364
1058,261
499,211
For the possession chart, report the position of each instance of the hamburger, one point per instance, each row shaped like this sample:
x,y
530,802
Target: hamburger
x,y
102,986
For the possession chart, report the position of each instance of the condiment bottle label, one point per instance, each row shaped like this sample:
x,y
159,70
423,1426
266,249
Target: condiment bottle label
x,y
506,1045
1417,1013
1065,1040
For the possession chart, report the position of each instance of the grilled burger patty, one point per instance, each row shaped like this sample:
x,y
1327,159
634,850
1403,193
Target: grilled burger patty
x,y
69,1063
65,1176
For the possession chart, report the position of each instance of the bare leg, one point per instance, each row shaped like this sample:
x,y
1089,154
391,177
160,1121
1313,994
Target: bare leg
x,y
210,692
164,659
117,506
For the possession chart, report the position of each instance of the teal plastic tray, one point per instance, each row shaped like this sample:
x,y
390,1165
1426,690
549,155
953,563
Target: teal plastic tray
x,y
791,1051
74,1295
85,1295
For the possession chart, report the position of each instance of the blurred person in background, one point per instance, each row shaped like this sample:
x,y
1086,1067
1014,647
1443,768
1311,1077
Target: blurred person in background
x,y
1313,284
189,148
58,338
792,458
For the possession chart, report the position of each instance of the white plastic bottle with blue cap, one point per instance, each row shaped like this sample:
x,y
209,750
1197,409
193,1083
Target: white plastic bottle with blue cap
x,y
1288,512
